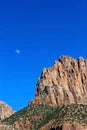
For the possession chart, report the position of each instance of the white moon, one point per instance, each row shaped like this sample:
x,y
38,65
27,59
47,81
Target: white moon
x,y
18,51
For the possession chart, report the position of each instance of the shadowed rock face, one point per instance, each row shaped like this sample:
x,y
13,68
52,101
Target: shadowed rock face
x,y
68,126
57,128
65,82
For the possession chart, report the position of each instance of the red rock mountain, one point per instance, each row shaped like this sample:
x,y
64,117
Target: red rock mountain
x,y
65,82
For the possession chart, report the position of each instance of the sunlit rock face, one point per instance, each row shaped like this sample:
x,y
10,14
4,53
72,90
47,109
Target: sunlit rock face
x,y
65,82
5,110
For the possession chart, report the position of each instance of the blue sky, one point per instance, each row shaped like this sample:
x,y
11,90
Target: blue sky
x,y
42,31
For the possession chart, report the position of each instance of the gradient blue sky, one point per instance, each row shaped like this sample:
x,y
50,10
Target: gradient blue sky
x,y
42,30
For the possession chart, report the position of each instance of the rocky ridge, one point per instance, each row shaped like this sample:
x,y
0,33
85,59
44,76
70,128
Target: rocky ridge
x,y
5,110
64,83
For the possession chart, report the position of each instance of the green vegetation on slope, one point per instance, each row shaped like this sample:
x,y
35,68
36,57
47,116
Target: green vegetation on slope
x,y
76,113
40,115
51,116
34,113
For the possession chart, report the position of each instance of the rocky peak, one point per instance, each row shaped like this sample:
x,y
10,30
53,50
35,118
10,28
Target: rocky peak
x,y
5,110
65,82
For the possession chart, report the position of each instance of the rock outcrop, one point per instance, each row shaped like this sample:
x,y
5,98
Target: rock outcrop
x,y
64,83
75,126
5,110
68,126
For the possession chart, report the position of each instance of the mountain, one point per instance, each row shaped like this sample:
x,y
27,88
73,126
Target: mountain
x,y
60,101
64,83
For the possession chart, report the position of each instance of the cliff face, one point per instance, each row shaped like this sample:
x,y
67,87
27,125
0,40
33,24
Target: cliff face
x,y
5,110
65,82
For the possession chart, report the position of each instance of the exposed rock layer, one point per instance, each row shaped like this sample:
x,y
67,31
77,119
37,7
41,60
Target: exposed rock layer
x,y
65,82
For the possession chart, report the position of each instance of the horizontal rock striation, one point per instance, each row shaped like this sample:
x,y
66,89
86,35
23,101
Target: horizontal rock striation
x,y
64,83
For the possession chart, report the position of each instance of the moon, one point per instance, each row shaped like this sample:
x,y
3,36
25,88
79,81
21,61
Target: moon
x,y
17,51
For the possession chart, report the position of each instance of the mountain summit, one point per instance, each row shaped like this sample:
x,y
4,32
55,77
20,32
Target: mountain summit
x,y
63,83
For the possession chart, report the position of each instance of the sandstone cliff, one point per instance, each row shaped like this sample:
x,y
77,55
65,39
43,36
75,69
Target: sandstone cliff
x,y
65,82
